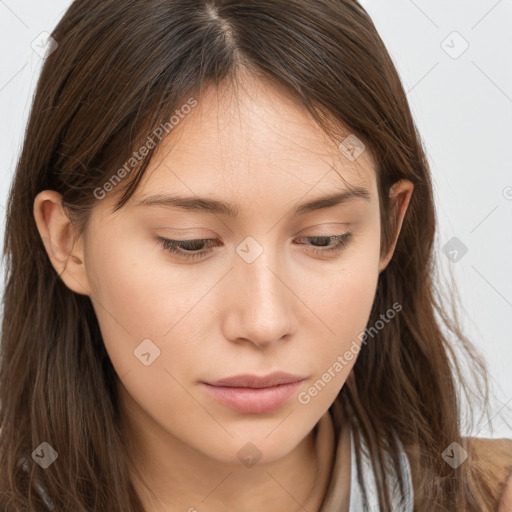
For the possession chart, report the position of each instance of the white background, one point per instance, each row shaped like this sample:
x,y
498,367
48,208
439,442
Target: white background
x,y
462,104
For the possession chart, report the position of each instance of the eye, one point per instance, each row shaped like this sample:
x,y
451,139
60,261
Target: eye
x,y
338,242
195,249
184,247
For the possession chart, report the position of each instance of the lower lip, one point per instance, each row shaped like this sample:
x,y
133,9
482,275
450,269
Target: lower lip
x,y
253,400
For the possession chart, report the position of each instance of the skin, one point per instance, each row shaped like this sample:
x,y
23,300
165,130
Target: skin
x,y
291,309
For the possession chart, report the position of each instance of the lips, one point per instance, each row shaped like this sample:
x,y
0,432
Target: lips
x,y
253,381
252,394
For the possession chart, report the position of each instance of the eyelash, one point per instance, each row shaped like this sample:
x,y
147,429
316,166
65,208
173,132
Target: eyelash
x,y
172,246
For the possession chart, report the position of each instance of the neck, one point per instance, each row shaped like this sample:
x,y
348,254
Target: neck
x,y
169,475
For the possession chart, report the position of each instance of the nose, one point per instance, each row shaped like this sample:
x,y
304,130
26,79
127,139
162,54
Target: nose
x,y
260,303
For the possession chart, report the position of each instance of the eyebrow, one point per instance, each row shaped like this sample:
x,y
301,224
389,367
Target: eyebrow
x,y
208,205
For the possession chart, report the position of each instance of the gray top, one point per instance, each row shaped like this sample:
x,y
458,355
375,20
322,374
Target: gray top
x,y
333,498
356,497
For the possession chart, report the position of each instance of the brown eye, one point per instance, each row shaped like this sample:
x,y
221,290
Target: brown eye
x,y
184,248
339,242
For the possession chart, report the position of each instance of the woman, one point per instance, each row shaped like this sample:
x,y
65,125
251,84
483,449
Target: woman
x,y
199,313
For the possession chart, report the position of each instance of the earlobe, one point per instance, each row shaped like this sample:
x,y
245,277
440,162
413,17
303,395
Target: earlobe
x,y
63,247
400,195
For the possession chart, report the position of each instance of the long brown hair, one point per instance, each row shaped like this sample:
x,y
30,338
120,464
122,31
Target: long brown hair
x,y
120,70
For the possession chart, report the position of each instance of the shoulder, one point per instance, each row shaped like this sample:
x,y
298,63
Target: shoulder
x,y
493,459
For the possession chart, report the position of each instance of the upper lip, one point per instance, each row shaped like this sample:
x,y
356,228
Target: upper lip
x,y
254,381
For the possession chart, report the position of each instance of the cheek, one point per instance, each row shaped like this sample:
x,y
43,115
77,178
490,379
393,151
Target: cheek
x,y
131,281
137,296
343,300
128,295
343,297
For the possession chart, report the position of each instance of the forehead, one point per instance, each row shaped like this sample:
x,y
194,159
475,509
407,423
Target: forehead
x,y
250,139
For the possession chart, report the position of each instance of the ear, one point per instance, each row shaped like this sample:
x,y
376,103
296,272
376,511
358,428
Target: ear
x,y
400,195
64,247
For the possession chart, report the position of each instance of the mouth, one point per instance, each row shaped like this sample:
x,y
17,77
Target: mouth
x,y
251,394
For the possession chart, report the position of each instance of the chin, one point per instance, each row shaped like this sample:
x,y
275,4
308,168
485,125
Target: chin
x,y
251,450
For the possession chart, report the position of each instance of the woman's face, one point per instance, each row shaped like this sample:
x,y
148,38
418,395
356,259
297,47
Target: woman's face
x,y
259,297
